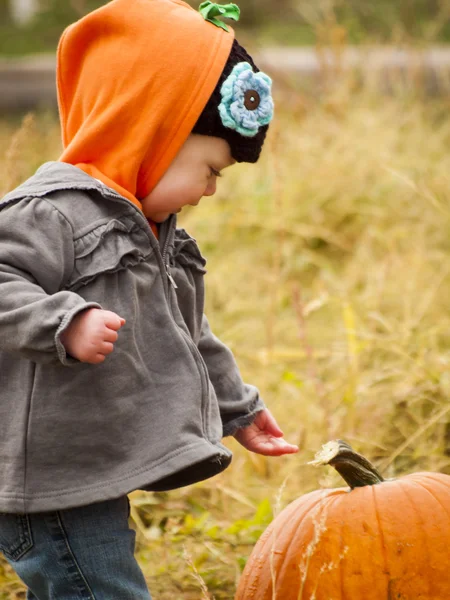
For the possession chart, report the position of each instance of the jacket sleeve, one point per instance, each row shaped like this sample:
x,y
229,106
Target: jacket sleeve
x,y
36,257
238,402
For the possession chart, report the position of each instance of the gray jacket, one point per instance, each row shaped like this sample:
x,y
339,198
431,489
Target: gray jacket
x,y
153,414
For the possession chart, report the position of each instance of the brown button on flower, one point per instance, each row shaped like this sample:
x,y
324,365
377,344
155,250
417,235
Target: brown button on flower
x,y
251,99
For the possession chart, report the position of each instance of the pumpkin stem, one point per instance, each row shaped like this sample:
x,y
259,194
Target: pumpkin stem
x,y
354,468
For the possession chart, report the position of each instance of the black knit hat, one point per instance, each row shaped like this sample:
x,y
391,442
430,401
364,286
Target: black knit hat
x,y
243,148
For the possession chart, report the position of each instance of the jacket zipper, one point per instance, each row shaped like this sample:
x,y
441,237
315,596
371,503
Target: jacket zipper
x,y
164,255
190,343
171,279
199,359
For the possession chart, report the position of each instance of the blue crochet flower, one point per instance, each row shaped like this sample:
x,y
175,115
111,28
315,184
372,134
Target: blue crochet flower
x,y
246,100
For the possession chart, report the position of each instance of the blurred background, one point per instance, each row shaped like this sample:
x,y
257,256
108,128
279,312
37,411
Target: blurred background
x,y
328,260
35,25
306,43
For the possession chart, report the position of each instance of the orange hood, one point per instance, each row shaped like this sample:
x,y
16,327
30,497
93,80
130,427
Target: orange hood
x,y
133,78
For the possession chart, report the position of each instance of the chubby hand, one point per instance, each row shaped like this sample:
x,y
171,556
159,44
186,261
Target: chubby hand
x,y
91,335
264,436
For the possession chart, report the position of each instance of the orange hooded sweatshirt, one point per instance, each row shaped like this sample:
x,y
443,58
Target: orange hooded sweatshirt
x,y
133,77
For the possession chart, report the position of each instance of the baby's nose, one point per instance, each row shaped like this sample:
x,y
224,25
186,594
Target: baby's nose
x,y
211,188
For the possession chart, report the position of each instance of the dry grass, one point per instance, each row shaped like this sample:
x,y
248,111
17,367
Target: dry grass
x,y
329,279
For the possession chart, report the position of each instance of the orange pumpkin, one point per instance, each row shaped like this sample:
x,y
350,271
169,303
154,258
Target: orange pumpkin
x,y
378,540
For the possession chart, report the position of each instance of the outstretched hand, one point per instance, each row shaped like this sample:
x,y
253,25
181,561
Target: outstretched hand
x,y
264,436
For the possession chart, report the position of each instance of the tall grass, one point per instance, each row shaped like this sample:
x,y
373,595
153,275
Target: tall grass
x,y
329,277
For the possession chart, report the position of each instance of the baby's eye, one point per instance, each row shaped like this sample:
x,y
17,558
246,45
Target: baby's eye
x,y
215,172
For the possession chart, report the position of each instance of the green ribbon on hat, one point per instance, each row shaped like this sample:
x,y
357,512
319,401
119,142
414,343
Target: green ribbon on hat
x,y
211,10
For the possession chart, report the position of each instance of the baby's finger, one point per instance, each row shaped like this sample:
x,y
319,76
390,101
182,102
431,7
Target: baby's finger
x,y
272,426
110,335
106,348
112,320
96,359
267,423
276,447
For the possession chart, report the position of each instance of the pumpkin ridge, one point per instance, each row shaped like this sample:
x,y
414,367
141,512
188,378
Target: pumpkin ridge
x,y
322,498
438,482
341,549
421,484
370,544
293,535
423,543
330,509
265,546
381,535
436,478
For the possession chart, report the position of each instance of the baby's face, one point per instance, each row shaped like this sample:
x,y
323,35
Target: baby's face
x,y
191,175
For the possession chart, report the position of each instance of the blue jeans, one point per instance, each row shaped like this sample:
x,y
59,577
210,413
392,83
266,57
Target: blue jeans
x,y
84,553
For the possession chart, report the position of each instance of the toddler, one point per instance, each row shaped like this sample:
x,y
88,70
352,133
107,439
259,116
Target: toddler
x,y
110,377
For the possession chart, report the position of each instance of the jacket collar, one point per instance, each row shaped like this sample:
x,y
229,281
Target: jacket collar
x,y
56,176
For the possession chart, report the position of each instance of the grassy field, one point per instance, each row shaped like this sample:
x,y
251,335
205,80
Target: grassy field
x,y
273,22
329,277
